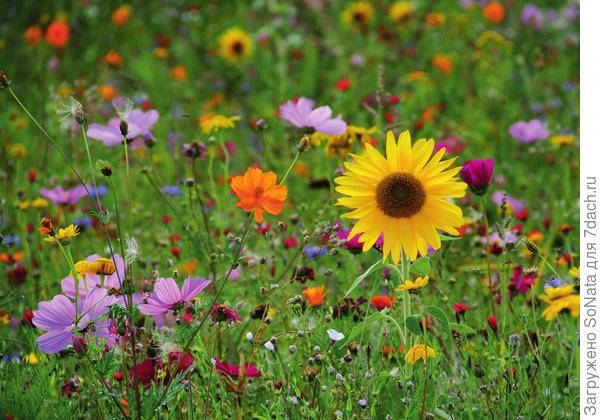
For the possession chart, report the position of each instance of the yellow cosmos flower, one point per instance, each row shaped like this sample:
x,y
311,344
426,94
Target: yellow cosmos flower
x,y
64,235
419,352
235,45
400,10
102,266
403,196
562,139
358,13
215,122
409,285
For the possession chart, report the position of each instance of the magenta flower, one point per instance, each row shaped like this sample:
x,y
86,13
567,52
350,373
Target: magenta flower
x,y
354,244
529,131
139,124
167,296
59,195
520,282
57,317
301,114
452,144
477,174
224,368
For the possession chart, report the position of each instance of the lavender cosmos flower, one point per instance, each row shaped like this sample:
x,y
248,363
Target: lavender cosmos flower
x,y
167,296
301,114
139,124
478,174
59,195
532,16
529,131
513,203
57,317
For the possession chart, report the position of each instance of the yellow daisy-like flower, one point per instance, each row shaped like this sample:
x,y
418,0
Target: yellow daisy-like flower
x,y
562,139
400,10
409,285
339,146
235,45
215,122
419,352
102,266
358,13
403,195
567,303
39,203
553,293
31,358
64,234
574,272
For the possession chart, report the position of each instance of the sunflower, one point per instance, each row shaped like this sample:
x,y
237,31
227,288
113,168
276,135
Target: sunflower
x,y
404,196
235,45
419,352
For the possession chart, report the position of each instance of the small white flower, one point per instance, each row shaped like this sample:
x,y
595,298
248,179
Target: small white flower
x,y
335,335
249,336
269,346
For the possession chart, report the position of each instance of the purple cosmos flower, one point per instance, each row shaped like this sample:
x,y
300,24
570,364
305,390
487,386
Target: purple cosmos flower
x,y
532,16
57,317
167,296
59,195
139,124
529,131
478,175
511,202
301,114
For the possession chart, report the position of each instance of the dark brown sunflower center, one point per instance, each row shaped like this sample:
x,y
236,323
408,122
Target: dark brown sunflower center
x,y
238,48
400,195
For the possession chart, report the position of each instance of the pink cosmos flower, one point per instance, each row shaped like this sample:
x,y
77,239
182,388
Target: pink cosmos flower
x,y
529,131
59,195
139,124
511,202
57,317
167,297
301,114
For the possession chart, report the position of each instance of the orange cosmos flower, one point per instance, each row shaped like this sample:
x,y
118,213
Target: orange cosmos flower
x,y
314,295
494,12
443,63
33,35
122,15
57,34
107,92
179,73
258,191
113,58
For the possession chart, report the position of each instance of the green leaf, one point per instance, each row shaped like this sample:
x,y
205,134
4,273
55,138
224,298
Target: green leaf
x,y
421,267
363,276
443,322
412,323
445,238
360,327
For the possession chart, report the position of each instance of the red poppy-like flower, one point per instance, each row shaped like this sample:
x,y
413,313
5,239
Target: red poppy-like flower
x,y
382,302
57,34
343,85
493,323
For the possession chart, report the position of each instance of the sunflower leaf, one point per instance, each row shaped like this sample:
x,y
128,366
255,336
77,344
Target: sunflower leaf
x,y
421,267
443,322
412,323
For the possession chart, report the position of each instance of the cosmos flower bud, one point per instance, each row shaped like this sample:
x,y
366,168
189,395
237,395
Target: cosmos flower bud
x,y
477,174
531,246
4,82
104,167
124,128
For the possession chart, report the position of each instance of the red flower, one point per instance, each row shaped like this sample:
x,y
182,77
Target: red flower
x,y
381,302
290,242
493,323
31,176
27,318
57,34
343,85
166,220
522,215
176,252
